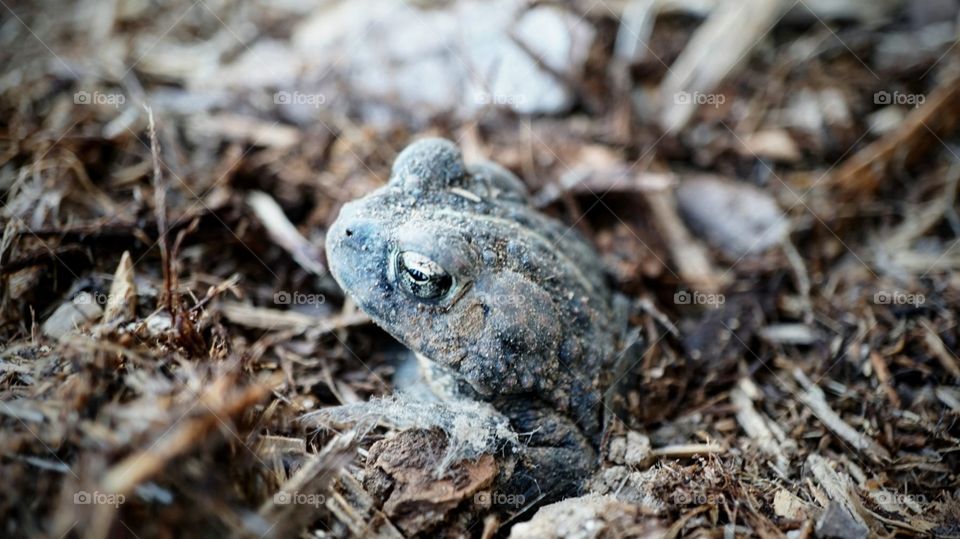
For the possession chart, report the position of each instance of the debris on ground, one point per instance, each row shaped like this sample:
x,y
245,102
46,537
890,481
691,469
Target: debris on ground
x,y
774,183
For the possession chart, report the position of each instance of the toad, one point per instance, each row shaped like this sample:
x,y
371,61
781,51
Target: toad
x,y
453,261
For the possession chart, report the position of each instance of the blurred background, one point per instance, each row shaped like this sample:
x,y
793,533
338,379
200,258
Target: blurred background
x,y
772,182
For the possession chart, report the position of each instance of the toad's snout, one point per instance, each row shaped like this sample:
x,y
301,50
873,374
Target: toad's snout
x,y
350,232
355,247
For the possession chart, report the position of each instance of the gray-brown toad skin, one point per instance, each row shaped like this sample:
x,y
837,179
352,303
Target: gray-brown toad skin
x,y
453,262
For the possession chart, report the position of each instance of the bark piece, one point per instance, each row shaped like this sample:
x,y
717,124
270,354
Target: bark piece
x,y
401,471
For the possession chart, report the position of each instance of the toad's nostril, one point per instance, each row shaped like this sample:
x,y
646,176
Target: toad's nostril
x,y
348,232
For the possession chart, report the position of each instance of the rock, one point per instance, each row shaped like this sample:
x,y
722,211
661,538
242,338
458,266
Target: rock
x,y
817,111
589,517
638,449
474,54
632,449
736,218
159,323
885,120
837,523
630,486
70,315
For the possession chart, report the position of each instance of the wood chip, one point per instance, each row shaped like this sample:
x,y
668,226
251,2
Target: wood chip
x,y
884,377
245,129
687,450
286,235
598,170
693,261
796,334
838,486
122,299
716,49
277,320
761,430
939,350
814,398
773,144
353,506
786,505
949,396
281,444
295,505
861,174
183,434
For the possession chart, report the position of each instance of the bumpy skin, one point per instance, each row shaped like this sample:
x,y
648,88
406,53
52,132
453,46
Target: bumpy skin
x,y
527,323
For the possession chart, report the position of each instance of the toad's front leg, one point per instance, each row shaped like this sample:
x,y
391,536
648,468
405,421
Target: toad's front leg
x,y
555,456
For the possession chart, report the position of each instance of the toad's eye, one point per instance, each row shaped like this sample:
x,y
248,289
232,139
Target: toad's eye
x,y
421,277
